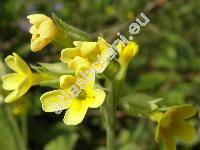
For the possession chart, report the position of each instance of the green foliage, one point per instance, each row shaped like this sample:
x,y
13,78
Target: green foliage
x,y
62,142
7,138
167,66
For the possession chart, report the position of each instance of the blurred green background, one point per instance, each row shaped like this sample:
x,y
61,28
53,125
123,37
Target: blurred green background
x,y
167,66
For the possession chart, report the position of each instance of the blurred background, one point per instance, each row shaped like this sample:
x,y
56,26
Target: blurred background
x,y
167,66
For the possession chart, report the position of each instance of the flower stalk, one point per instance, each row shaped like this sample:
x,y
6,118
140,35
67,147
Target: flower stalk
x,y
20,142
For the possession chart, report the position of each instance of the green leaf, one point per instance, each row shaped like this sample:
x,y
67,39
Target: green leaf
x,y
62,142
139,104
74,33
152,80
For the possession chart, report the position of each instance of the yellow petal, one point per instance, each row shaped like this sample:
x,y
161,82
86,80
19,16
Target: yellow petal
x,y
22,65
99,98
120,49
22,89
90,85
11,81
34,30
68,54
103,45
66,81
78,63
12,96
54,100
131,49
184,130
47,29
37,18
39,43
10,62
86,47
76,113
168,139
184,111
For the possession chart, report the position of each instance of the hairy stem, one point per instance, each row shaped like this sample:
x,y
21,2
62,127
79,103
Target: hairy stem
x,y
109,115
16,130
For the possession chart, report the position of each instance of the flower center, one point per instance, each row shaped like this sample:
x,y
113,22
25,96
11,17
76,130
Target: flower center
x,y
82,95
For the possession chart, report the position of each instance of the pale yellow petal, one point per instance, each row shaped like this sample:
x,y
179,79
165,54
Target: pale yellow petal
x,y
184,111
86,47
103,45
168,139
11,81
22,65
69,53
39,43
22,89
99,97
77,63
76,113
34,30
37,18
12,96
47,29
10,62
54,100
184,130
66,81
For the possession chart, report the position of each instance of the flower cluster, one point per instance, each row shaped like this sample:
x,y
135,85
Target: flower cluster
x,y
77,91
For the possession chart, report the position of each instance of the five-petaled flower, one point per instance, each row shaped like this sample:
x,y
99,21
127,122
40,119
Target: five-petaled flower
x,y
88,54
19,82
43,31
172,123
75,99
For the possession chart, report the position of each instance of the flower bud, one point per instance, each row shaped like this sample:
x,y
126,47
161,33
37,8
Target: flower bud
x,y
43,31
127,53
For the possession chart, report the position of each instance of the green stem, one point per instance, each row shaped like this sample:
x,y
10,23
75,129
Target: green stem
x,y
24,128
109,113
110,138
111,105
16,130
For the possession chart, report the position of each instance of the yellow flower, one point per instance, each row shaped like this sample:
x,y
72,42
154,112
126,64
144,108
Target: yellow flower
x,y
43,31
127,53
74,98
172,123
19,82
87,54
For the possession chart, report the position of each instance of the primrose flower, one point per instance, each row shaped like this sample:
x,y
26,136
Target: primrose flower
x,y
172,123
19,82
75,99
90,53
127,53
43,31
